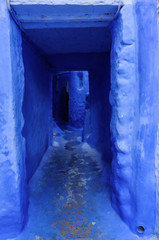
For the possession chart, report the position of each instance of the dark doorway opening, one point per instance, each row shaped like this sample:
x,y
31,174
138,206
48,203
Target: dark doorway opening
x,y
70,91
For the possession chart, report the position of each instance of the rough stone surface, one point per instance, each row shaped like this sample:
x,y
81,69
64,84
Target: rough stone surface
x,y
122,98
13,190
134,121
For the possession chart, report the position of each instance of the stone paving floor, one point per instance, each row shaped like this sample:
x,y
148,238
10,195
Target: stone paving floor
x,y
68,197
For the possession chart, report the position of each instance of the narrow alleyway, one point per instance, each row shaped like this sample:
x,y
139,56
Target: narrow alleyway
x,y
68,197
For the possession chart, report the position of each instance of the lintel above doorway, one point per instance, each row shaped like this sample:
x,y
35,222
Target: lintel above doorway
x,y
73,13
67,26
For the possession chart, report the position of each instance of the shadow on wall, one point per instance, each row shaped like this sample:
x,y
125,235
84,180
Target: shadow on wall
x,y
37,106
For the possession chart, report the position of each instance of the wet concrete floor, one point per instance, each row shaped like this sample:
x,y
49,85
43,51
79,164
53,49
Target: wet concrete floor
x,y
68,197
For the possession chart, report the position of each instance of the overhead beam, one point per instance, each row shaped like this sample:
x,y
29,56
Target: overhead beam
x,y
64,13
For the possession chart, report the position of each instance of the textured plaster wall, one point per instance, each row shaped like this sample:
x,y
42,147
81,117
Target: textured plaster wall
x,y
123,98
37,106
13,193
134,90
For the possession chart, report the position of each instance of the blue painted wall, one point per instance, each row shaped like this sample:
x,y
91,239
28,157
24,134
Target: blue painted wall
x,y
32,94
134,99
13,199
123,98
77,85
37,106
146,13
100,110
